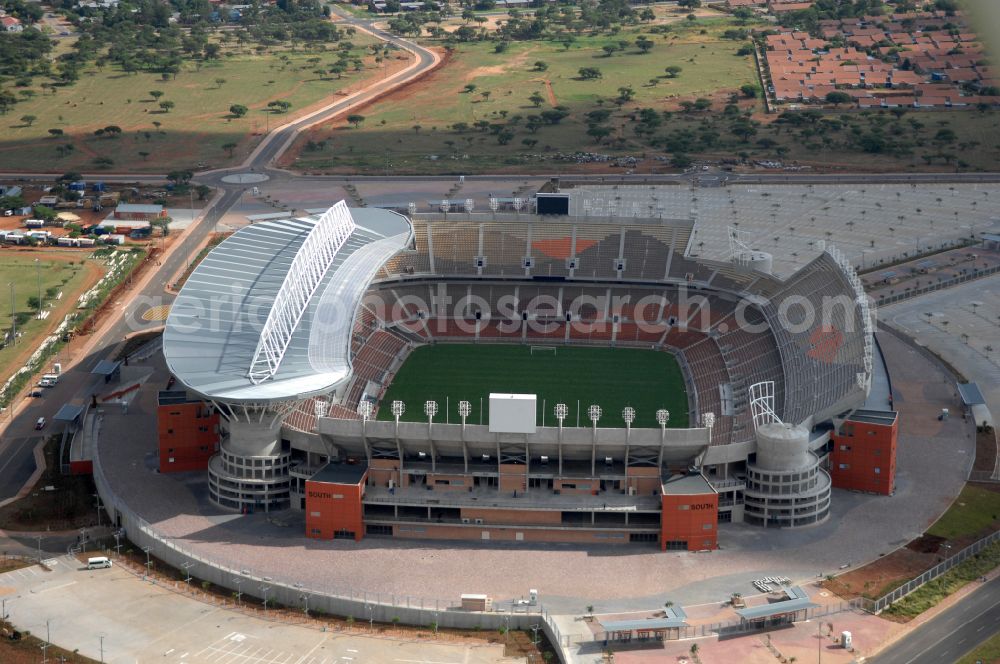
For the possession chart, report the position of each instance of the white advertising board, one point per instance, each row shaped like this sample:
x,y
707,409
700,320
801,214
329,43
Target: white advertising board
x,y
512,413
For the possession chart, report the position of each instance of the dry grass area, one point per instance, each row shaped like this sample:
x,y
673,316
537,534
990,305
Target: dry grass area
x,y
971,517
885,574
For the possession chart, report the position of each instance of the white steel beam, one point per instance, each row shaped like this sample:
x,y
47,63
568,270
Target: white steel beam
x,y
308,268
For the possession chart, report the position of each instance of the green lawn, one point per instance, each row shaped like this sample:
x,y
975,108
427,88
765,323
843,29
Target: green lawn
x,y
19,268
988,652
194,131
974,511
413,127
610,377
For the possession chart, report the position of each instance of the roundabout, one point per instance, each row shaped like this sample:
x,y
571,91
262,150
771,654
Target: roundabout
x,y
245,178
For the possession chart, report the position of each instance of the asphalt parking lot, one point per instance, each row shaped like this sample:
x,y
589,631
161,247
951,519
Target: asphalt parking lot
x,y
142,622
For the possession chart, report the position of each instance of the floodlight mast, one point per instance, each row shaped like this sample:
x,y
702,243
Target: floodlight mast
x,y
430,410
561,411
662,417
365,409
397,409
628,414
594,413
464,410
708,420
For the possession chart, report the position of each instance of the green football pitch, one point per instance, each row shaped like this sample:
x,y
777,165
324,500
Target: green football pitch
x,y
612,378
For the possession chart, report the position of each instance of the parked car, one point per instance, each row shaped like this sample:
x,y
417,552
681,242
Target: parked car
x,y
40,424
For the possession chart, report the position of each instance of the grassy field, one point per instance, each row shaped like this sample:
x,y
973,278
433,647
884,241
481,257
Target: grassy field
x,y
988,652
610,377
414,125
975,510
413,130
63,271
193,132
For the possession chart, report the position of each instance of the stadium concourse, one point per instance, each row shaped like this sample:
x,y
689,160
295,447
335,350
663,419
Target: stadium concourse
x,y
176,508
285,339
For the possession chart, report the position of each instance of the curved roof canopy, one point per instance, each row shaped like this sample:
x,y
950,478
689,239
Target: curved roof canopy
x,y
267,315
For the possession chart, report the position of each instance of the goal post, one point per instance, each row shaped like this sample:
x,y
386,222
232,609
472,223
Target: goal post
x,y
543,349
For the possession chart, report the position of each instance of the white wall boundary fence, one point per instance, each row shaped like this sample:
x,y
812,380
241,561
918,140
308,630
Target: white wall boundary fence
x,y
361,605
930,288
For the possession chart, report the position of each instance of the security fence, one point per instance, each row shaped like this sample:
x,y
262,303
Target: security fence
x,y
930,288
884,602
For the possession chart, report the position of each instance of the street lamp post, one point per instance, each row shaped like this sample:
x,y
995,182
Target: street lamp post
x,y
13,318
371,617
149,563
187,570
264,590
39,538
38,279
101,637
239,593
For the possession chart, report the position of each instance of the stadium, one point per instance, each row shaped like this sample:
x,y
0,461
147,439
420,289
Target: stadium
x,y
536,378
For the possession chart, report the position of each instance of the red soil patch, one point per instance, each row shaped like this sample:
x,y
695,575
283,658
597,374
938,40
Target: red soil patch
x,y
324,129
886,573
559,248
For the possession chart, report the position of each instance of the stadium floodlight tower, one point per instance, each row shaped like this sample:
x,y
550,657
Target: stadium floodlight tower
x,y
628,414
430,410
662,417
594,413
707,421
464,410
397,409
320,408
365,408
782,452
561,410
280,334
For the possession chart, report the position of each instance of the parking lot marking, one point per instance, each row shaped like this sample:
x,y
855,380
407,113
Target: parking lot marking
x,y
45,590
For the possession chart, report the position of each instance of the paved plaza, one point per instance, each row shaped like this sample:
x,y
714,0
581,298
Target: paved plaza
x,y
934,459
962,325
143,622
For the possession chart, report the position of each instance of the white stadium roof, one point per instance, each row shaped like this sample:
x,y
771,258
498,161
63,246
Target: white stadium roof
x,y
267,315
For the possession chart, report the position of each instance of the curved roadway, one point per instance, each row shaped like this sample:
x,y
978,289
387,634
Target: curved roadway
x,y
16,449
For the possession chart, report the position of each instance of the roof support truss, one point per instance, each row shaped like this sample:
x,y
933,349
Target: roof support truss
x,y
308,268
